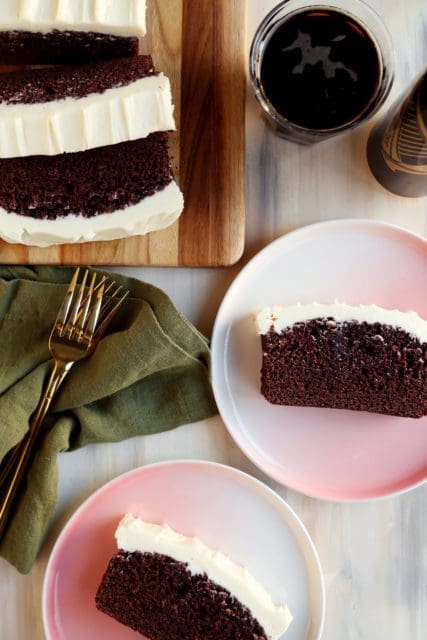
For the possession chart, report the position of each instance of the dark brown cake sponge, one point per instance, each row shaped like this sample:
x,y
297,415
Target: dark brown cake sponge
x,y
74,81
91,182
63,47
349,365
158,597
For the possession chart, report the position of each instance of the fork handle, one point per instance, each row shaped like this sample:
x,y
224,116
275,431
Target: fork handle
x,y
18,464
7,465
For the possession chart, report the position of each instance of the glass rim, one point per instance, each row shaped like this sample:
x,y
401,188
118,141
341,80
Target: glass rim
x,y
269,25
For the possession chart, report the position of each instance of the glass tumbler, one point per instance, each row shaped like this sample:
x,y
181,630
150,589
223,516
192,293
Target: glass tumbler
x,y
363,18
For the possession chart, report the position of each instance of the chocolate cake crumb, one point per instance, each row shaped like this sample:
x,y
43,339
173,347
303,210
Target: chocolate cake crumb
x,y
159,597
88,183
348,365
75,81
63,47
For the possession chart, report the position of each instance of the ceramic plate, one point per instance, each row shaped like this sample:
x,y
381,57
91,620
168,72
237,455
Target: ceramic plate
x,y
331,454
227,509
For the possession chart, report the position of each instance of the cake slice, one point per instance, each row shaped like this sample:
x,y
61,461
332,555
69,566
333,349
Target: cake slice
x,y
74,108
170,587
363,358
69,31
103,194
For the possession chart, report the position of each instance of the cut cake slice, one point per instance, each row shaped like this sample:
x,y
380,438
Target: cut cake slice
x,y
362,358
168,586
74,108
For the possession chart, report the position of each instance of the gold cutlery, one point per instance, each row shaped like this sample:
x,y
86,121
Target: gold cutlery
x,y
83,319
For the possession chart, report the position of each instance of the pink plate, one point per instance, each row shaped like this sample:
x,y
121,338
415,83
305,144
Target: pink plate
x,y
226,508
330,454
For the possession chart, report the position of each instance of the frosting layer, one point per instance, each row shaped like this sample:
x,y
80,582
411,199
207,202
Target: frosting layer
x,y
118,115
116,17
133,534
151,214
282,317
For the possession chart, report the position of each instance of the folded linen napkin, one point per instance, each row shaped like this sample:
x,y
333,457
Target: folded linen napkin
x,y
149,374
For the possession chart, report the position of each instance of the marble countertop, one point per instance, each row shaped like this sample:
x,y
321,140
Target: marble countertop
x,y
374,555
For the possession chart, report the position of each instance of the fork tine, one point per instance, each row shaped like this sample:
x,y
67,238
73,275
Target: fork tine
x,y
105,309
77,303
94,314
85,308
106,322
110,286
66,303
103,280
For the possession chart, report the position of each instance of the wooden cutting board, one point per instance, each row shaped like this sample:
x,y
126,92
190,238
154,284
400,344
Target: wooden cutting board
x,y
201,46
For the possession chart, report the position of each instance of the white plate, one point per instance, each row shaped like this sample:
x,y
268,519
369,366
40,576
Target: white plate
x,y
226,508
331,454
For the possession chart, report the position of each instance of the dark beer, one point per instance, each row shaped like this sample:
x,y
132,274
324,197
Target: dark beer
x,y
321,69
397,147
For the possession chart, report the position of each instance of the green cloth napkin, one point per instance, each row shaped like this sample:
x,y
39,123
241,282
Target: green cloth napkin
x,y
149,374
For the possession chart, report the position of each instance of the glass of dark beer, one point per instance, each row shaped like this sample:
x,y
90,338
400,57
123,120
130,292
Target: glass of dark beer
x,y
321,68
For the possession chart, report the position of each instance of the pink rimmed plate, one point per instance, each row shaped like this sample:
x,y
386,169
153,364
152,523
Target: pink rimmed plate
x,y
330,454
226,508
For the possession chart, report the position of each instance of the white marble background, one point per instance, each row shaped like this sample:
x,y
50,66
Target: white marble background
x,y
374,555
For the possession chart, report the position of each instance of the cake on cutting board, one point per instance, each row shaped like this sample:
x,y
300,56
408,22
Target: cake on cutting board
x,y
363,358
84,153
168,586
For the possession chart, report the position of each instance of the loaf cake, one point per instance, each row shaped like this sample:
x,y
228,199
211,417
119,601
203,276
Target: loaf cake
x,y
84,153
69,31
363,358
170,587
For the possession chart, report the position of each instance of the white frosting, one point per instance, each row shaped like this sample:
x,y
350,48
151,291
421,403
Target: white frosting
x,y
100,119
133,534
151,214
115,17
282,317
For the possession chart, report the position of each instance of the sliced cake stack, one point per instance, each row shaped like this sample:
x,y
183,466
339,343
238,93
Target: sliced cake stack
x,y
83,148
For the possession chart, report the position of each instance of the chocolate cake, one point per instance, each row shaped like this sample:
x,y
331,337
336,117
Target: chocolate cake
x,y
48,84
84,153
106,193
169,587
68,109
89,183
64,31
359,358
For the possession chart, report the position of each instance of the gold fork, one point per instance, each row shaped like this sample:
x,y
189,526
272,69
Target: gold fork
x,y
110,307
82,321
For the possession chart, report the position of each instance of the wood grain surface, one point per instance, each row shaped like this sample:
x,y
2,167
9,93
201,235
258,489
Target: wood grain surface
x,y
200,45
213,132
